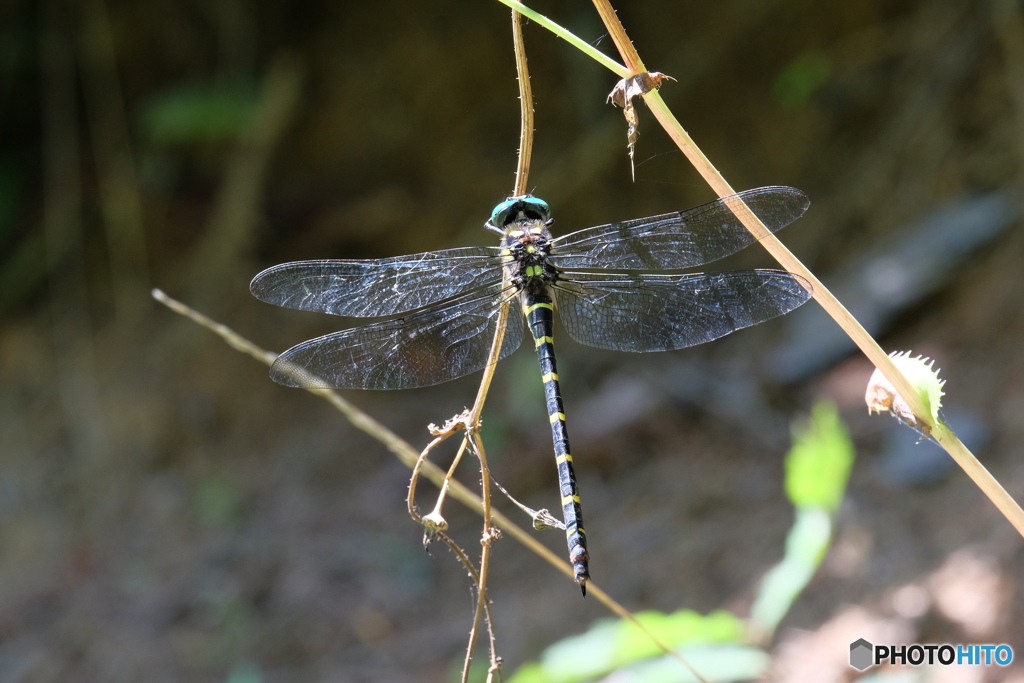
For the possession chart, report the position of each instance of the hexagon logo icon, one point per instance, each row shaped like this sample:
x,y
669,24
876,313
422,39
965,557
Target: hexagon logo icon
x,y
861,652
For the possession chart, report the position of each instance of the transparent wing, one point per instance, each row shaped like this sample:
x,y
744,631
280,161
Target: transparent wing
x,y
663,312
380,287
678,240
421,349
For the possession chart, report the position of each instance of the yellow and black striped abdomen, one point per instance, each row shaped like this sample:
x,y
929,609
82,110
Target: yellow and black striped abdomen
x,y
540,317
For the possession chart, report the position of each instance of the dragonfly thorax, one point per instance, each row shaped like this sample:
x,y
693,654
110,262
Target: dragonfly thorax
x,y
526,246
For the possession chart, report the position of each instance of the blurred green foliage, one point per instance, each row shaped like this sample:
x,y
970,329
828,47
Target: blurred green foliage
x,y
795,85
245,672
817,469
610,645
818,465
806,545
197,113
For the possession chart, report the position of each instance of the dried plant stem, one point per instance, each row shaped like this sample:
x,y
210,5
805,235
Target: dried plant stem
x,y
407,455
468,564
525,107
618,35
472,429
946,438
472,437
448,477
404,452
569,37
410,498
488,536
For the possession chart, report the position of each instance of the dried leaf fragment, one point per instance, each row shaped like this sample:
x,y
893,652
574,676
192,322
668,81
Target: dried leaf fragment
x,y
452,425
622,95
628,88
881,395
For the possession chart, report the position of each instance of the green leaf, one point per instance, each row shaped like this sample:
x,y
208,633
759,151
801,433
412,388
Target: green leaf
x,y
718,663
531,672
245,672
679,628
817,470
818,465
612,644
806,545
721,663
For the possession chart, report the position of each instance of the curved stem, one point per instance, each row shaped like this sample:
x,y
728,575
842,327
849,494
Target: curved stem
x,y
525,107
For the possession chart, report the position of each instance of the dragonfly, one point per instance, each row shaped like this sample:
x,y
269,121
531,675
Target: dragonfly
x,y
613,287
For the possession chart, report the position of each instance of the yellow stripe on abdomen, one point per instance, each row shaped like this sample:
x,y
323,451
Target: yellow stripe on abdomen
x,y
530,309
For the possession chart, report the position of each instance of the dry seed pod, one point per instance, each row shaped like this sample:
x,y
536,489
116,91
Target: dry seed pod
x,y
882,396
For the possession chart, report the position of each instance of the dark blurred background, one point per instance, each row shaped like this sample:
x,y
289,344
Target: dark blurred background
x,y
167,513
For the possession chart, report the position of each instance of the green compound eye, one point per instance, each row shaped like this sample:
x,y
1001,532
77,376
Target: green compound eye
x,y
529,207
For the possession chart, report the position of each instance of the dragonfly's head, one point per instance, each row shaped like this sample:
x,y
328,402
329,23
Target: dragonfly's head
x,y
515,209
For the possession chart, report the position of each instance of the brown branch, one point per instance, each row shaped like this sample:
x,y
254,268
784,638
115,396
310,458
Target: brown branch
x,y
949,441
407,454
399,447
525,107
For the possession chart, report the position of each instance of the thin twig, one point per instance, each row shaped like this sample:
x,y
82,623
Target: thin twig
x,y
434,519
435,526
473,424
488,536
569,37
472,435
468,564
618,35
406,453
525,107
542,518
410,498
394,443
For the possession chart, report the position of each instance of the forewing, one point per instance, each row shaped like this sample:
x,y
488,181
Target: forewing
x,y
380,287
663,312
683,239
421,349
